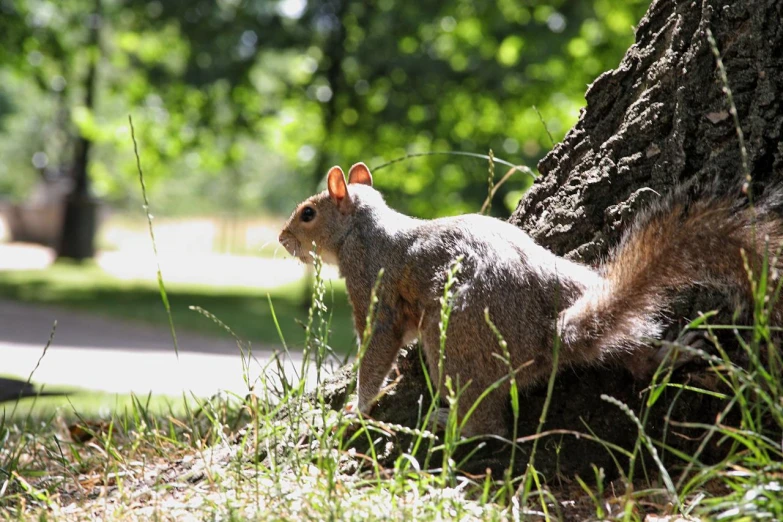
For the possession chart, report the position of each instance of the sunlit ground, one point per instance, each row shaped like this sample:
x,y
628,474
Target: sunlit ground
x,y
228,252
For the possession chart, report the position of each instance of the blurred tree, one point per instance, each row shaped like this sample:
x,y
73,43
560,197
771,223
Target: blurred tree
x,y
77,239
6,106
41,46
379,79
55,41
243,105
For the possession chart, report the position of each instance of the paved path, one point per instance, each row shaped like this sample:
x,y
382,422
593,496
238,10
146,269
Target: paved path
x,y
119,356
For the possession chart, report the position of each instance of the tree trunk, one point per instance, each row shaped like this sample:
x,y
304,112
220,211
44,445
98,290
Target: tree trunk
x,y
660,119
77,239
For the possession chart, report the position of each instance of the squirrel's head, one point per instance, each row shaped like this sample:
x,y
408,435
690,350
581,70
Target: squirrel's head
x,y
325,217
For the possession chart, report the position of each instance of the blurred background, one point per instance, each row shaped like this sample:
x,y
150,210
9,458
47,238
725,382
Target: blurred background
x,y
239,109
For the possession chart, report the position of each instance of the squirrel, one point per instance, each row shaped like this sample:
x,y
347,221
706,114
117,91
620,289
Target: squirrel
x,y
533,296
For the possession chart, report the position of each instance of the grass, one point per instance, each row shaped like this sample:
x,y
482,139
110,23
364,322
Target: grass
x,y
226,457
284,454
246,311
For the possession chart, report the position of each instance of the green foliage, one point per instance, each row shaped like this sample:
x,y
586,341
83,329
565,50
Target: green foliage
x,y
244,105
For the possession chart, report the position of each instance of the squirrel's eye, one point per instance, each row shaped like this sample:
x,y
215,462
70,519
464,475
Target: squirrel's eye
x,y
308,213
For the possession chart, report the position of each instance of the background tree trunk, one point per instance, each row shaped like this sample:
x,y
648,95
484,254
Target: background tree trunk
x,y
80,220
660,119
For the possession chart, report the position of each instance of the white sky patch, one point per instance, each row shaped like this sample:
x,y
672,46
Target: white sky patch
x,y
292,8
556,22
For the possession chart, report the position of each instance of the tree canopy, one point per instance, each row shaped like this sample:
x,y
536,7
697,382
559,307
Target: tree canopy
x,y
243,105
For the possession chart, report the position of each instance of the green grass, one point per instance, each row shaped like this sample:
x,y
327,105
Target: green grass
x,y
246,311
239,458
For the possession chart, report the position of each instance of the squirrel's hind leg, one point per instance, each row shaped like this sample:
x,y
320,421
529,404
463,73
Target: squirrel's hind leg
x,y
473,369
483,421
489,415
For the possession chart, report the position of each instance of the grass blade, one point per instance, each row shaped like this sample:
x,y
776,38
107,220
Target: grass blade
x,y
161,287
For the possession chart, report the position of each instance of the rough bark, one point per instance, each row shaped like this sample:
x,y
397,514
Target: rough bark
x,y
660,119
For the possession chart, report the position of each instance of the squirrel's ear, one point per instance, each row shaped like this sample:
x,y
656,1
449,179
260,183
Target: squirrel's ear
x,y
335,182
359,173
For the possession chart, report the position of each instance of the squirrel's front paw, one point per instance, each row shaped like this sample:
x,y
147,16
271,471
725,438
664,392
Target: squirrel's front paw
x,y
439,419
352,415
364,406
357,407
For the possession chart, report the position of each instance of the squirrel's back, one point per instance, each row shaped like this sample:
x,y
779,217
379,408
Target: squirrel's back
x,y
494,254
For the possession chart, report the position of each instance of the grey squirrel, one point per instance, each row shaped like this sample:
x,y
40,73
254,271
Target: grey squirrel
x,y
533,296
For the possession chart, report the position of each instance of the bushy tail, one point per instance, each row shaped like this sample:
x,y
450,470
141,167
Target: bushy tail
x,y
679,244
